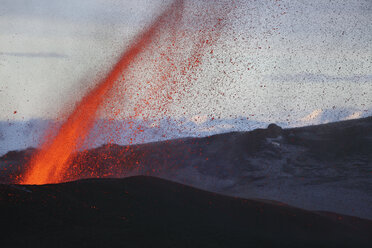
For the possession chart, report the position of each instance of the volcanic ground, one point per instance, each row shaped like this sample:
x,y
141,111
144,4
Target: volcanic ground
x,y
151,212
324,171
326,167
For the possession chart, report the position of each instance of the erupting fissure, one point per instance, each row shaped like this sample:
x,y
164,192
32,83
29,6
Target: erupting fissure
x,y
50,164
192,33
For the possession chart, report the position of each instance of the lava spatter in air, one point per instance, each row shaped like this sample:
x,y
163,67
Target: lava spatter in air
x,y
171,63
50,164
167,56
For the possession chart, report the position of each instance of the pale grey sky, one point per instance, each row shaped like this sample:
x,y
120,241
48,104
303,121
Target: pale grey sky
x,y
307,56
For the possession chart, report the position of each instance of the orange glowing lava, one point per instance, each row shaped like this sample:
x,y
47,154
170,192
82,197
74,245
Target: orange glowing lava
x,y
50,164
167,57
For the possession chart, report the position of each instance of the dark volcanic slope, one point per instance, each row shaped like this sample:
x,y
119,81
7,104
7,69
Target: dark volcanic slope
x,y
325,167
150,212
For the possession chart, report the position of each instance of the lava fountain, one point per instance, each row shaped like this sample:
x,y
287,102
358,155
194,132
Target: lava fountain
x,y
173,61
50,164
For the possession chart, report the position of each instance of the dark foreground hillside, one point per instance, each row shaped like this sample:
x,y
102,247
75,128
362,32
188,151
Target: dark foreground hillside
x,y
151,212
325,167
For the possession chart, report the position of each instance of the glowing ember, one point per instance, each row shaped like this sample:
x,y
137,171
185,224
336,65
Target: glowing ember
x,y
173,51
50,164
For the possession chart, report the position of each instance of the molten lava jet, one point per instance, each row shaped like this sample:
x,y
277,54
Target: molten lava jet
x,y
49,165
52,162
